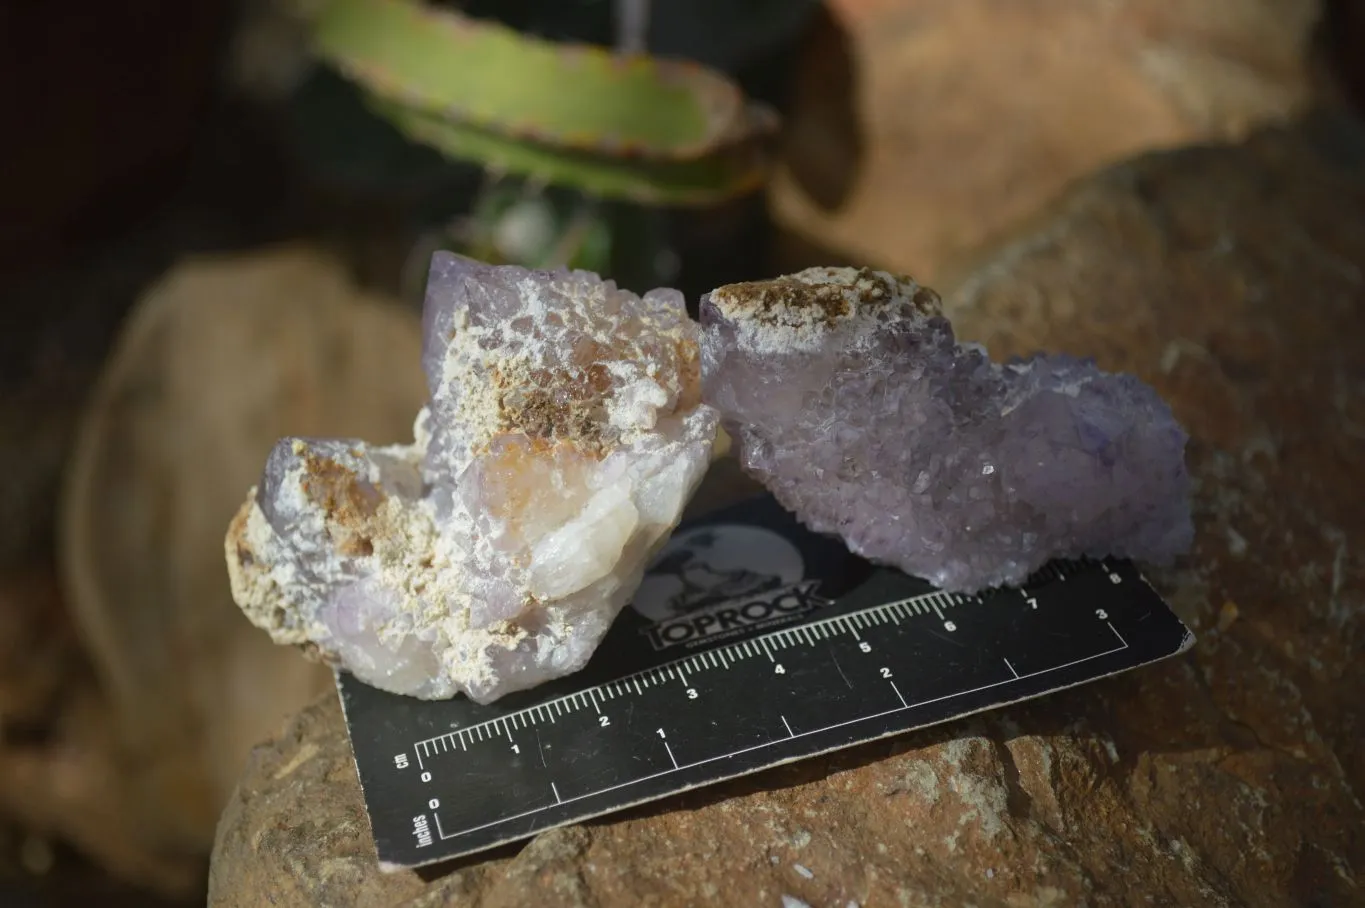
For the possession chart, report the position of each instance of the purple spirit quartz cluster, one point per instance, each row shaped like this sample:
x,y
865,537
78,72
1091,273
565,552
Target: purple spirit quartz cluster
x,y
848,397
564,434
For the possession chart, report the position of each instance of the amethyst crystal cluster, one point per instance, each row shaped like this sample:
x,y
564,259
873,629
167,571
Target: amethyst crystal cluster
x,y
564,435
850,399
566,431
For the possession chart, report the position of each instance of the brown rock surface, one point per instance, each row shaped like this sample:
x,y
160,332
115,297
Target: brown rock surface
x,y
1231,278
222,357
979,111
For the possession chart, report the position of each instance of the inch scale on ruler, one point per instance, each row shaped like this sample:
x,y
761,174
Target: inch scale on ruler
x,y
885,654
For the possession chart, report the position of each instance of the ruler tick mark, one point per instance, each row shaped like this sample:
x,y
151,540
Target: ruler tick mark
x,y
904,705
555,789
1011,668
637,687
670,755
790,734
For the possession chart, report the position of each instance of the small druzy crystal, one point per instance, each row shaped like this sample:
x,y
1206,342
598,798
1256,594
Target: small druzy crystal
x,y
848,396
564,435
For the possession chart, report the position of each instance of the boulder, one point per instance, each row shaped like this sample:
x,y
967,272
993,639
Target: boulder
x,y
1231,278
976,112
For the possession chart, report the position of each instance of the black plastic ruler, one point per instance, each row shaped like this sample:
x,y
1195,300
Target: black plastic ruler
x,y
752,643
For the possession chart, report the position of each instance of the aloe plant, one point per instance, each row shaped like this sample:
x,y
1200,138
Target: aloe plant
x,y
612,125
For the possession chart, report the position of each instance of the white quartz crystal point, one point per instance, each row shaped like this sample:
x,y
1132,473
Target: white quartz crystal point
x,y
848,396
564,435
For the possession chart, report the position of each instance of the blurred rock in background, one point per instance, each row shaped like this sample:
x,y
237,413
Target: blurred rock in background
x,y
220,360
980,111
222,357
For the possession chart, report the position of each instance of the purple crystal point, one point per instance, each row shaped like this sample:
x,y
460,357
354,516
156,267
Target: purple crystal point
x,y
849,397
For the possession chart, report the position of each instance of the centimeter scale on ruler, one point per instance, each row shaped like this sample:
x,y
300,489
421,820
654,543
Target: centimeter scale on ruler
x,y
769,645
875,663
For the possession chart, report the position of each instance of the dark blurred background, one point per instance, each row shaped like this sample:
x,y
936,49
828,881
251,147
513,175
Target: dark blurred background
x,y
207,241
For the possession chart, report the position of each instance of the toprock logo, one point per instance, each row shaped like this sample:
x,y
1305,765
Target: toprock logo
x,y
723,580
